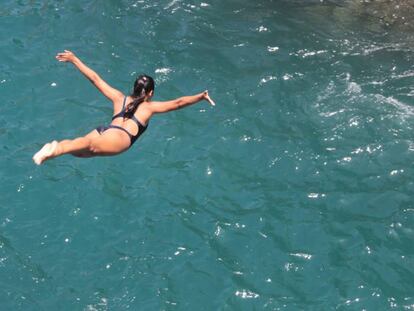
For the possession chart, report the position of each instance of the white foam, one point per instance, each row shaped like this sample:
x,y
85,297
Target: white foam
x,y
246,294
263,235
162,74
358,150
164,71
302,255
209,171
354,87
314,195
290,267
395,172
267,79
305,53
262,29
272,49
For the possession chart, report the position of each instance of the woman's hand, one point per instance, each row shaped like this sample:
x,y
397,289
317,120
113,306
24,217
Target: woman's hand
x,y
66,56
207,98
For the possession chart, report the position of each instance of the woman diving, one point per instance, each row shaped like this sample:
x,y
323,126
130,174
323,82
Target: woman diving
x,y
130,118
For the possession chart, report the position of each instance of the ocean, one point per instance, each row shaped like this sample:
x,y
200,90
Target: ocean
x,y
295,192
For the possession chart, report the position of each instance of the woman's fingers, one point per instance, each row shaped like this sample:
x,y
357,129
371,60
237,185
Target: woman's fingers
x,y
212,103
207,97
61,58
65,56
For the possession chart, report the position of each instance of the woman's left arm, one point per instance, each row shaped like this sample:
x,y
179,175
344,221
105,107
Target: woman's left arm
x,y
107,90
166,106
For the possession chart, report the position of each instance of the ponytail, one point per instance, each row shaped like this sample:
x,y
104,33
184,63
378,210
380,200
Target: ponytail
x,y
132,107
142,87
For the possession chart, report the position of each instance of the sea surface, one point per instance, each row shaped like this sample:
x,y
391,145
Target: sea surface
x,y
294,193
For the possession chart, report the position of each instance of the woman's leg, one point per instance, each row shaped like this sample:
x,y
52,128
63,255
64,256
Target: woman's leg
x,y
93,144
87,154
80,145
72,146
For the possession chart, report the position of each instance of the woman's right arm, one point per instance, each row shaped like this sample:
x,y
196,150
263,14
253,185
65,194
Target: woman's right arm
x,y
161,107
110,92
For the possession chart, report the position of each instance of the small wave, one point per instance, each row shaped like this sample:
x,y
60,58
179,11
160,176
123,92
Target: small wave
x,y
373,49
172,3
405,109
405,74
331,113
305,53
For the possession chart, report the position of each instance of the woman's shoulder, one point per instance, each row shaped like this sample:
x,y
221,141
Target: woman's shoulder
x,y
144,111
118,102
121,98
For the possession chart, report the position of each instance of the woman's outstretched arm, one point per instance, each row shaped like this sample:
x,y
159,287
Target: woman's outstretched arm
x,y
160,107
110,92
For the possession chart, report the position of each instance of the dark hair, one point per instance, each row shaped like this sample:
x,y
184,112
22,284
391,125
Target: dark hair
x,y
142,86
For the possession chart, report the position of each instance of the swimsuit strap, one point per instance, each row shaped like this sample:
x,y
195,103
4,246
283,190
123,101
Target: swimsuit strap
x,y
122,112
122,129
139,123
141,127
133,138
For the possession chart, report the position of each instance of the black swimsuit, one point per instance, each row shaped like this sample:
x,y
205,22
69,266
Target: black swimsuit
x,y
121,114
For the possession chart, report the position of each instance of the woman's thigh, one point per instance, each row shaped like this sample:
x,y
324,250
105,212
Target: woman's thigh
x,y
86,153
93,134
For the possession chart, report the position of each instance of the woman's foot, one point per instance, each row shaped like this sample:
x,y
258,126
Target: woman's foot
x,y
45,153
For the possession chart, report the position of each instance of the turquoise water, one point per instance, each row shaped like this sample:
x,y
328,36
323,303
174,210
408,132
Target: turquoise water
x,y
294,193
